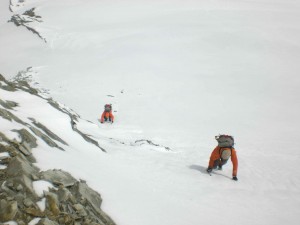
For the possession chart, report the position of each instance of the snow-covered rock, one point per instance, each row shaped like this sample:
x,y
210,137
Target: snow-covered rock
x,y
27,193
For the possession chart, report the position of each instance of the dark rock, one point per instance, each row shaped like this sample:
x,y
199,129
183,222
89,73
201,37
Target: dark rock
x,y
34,177
52,203
34,212
46,221
45,138
58,177
18,166
7,86
24,151
8,210
27,202
30,13
10,185
64,195
149,142
48,132
9,116
28,140
19,187
8,104
80,210
25,19
70,202
83,191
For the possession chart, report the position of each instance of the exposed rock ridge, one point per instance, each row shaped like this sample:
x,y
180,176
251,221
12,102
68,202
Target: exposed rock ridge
x,y
26,19
68,201
149,142
65,200
22,84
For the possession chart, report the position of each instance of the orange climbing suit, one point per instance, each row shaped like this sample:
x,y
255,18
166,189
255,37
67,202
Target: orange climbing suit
x,y
107,115
216,155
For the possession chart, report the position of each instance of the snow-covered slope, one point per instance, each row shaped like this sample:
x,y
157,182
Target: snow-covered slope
x,y
31,123
177,73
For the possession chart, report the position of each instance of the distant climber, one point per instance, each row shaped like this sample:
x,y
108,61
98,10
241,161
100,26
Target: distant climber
x,y
107,114
222,153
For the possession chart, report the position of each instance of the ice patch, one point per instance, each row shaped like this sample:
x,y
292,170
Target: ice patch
x,y
42,204
34,221
2,84
2,167
10,223
4,155
41,186
3,143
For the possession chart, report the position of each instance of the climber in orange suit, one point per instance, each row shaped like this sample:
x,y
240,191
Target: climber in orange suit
x,y
220,156
107,114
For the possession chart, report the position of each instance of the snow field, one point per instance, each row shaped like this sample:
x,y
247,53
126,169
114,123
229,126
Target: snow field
x,y
177,73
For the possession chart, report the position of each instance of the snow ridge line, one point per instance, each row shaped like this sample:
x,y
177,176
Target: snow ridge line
x,y
74,117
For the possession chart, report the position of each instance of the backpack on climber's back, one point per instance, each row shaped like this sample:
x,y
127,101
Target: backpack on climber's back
x,y
107,108
225,141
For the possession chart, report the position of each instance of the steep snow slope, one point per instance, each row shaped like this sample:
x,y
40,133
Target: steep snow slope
x,y
179,73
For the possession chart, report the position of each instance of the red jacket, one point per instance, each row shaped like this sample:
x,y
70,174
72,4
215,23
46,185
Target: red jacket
x,y
107,115
216,154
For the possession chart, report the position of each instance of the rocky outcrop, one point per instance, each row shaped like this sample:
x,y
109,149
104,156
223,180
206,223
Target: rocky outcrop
x,y
8,104
20,83
150,143
26,19
47,131
65,200
69,201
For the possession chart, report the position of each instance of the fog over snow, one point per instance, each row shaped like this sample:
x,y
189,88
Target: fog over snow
x,y
176,73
